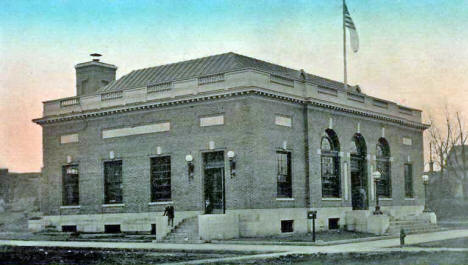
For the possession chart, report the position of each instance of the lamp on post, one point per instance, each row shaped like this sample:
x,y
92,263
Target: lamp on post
x,y
189,160
425,181
232,162
376,176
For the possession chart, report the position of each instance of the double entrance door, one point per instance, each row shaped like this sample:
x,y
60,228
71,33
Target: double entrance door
x,y
359,183
214,189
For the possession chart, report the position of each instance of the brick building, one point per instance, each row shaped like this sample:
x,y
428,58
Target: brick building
x,y
244,146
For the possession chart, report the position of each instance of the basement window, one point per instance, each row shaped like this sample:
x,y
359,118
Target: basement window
x,y
287,226
333,223
69,228
112,229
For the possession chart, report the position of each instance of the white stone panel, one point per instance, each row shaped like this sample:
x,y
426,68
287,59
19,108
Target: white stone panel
x,y
212,120
69,138
151,128
407,141
283,121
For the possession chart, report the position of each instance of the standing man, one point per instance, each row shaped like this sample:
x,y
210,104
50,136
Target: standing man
x,y
169,212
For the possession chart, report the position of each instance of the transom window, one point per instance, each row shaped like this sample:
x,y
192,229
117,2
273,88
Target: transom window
x,y
113,182
284,181
383,166
70,191
160,178
409,181
330,165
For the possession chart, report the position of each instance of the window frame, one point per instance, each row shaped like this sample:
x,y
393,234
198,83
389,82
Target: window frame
x,y
333,188
75,201
153,186
284,188
408,180
384,166
107,199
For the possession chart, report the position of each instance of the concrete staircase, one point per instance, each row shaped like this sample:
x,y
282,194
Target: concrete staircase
x,y
411,226
184,232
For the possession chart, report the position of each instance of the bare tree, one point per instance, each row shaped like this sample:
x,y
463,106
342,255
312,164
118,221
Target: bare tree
x,y
449,146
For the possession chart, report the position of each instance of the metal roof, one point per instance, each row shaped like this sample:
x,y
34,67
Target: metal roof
x,y
216,64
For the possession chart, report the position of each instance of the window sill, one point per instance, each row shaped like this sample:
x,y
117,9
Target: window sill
x,y
332,199
160,203
113,205
385,199
285,199
70,207
410,199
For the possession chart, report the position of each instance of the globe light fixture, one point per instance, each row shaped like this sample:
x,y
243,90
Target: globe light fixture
x,y
232,162
190,166
425,181
376,176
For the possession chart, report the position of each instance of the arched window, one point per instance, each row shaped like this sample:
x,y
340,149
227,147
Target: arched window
x,y
383,166
359,173
330,165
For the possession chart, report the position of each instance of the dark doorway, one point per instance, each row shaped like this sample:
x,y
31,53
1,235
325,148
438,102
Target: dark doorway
x,y
213,167
359,191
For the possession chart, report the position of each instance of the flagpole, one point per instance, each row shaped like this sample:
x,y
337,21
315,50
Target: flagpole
x,y
345,71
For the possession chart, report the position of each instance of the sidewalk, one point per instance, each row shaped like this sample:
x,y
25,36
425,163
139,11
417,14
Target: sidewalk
x,y
375,245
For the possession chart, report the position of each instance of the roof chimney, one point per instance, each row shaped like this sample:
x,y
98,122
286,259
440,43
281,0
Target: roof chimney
x,y
92,75
95,56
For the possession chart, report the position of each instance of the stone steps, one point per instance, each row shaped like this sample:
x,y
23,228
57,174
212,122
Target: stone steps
x,y
185,232
412,226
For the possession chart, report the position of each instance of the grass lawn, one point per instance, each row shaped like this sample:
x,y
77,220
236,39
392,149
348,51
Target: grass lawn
x,y
451,243
69,256
324,236
398,258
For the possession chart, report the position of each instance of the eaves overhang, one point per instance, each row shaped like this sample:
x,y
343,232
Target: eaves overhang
x,y
221,95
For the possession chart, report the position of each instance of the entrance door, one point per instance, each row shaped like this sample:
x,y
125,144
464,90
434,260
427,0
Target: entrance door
x,y
358,183
213,168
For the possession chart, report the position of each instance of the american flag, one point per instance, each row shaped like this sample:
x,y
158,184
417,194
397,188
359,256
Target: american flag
x,y
348,22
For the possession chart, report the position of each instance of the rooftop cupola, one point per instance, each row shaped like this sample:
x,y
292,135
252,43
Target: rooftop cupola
x,y
92,75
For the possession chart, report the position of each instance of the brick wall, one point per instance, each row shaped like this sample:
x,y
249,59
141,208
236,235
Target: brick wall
x,y
249,130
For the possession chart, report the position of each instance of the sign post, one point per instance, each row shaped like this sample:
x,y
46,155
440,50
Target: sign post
x,y
312,215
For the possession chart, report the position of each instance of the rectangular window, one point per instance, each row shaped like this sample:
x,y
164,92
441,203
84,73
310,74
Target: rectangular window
x,y
70,178
113,182
283,121
333,223
112,229
287,226
160,178
283,160
409,181
69,228
331,187
212,120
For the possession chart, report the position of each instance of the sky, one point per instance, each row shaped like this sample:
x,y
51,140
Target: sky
x,y
412,52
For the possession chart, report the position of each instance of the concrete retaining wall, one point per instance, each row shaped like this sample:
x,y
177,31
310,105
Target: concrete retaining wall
x,y
218,226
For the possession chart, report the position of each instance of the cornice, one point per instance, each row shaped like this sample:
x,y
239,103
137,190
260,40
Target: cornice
x,y
201,98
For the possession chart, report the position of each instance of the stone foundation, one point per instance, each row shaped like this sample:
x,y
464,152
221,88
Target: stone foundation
x,y
235,223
